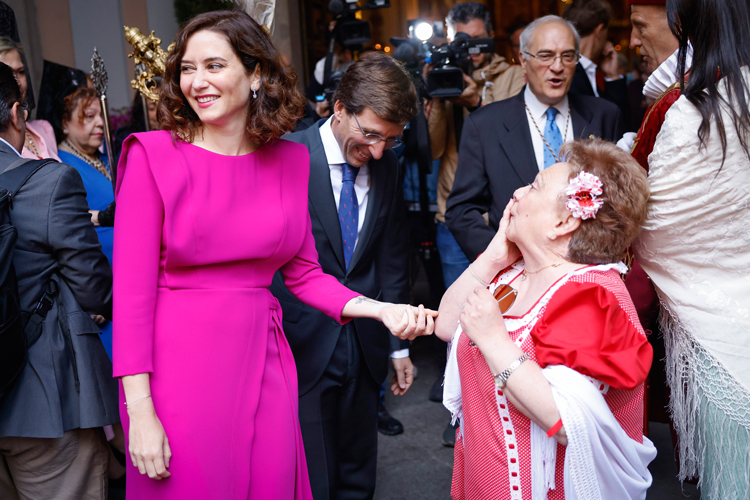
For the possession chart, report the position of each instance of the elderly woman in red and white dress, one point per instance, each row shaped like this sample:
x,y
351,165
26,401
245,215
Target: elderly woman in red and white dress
x,y
548,387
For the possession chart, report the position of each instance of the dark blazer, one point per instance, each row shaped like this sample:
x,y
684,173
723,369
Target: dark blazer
x,y
55,236
379,266
615,92
497,157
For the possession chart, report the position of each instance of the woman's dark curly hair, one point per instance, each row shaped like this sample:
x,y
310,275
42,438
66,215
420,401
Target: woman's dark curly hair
x,y
625,192
279,104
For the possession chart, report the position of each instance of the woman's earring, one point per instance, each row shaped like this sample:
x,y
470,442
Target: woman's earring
x,y
255,95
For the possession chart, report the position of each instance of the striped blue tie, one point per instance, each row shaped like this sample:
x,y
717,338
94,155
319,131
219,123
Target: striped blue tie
x,y
553,137
348,211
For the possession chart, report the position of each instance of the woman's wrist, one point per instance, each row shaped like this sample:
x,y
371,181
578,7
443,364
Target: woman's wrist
x,y
499,353
141,407
486,267
364,307
381,308
499,261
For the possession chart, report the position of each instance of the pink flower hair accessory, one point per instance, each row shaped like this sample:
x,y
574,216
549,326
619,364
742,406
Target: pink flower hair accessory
x,y
584,191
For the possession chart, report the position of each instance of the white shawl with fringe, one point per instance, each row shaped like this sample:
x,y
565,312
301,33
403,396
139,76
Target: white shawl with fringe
x,y
601,461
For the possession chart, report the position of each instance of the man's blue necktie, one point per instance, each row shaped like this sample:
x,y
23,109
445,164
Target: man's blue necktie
x,y
348,211
553,137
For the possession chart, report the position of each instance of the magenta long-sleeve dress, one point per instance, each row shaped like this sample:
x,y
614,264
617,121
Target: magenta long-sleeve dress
x,y
198,239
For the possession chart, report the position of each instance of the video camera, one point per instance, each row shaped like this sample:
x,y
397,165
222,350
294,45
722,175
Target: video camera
x,y
350,32
451,61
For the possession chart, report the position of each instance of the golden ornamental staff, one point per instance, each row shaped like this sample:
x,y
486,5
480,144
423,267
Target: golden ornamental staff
x,y
139,70
147,54
101,81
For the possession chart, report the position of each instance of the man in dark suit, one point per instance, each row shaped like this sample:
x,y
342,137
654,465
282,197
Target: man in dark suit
x,y
591,18
504,145
51,440
359,224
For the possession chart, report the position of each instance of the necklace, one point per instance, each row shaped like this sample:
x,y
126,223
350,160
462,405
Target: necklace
x,y
95,162
31,146
567,123
525,272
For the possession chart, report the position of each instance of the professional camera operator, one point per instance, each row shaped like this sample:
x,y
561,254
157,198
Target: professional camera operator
x,y
492,79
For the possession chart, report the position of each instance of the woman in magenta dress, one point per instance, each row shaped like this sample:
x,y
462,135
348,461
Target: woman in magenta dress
x,y
209,209
549,387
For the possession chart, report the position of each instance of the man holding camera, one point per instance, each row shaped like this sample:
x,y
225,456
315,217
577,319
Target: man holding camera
x,y
506,144
492,79
341,368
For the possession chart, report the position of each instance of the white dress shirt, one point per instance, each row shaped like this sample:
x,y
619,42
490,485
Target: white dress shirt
x,y
539,115
336,163
11,147
589,67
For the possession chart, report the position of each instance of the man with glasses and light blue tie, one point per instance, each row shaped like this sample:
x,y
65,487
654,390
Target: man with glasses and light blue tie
x,y
505,144
358,220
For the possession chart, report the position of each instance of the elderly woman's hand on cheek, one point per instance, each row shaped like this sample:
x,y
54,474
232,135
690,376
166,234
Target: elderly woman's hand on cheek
x,y
500,248
481,319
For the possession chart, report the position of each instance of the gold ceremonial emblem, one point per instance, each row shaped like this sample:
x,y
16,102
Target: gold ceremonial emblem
x,y
148,54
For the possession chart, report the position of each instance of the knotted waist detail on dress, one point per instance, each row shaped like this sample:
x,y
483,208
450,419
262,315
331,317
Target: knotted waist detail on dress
x,y
236,297
228,276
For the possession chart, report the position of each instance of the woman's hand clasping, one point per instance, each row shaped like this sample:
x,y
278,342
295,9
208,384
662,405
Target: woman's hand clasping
x,y
149,447
408,322
481,319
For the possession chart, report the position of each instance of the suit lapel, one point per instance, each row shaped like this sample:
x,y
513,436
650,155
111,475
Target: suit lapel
x,y
517,142
321,193
378,171
581,117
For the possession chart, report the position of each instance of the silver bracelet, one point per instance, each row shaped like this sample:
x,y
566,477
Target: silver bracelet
x,y
127,405
477,277
502,378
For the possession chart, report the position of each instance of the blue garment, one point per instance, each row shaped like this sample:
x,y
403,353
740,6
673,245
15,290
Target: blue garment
x,y
411,181
99,195
348,211
553,137
452,258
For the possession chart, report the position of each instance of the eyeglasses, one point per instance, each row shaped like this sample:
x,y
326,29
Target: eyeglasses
x,y
370,139
505,296
548,58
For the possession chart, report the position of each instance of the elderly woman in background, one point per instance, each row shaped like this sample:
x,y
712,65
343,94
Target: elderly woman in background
x,y
40,137
83,132
548,386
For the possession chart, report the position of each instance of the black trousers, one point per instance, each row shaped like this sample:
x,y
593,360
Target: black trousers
x,y
339,421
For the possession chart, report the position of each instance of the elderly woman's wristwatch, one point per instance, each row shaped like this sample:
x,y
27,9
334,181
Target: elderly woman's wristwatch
x,y
502,378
